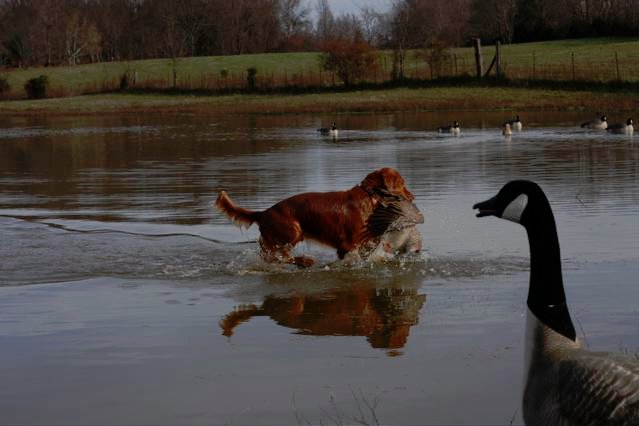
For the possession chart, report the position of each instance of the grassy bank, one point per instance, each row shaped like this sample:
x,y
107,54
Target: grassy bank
x,y
595,60
400,99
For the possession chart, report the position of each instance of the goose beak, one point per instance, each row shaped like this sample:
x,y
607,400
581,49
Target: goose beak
x,y
487,208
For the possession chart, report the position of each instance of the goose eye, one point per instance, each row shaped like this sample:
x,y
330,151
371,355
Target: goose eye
x,y
515,209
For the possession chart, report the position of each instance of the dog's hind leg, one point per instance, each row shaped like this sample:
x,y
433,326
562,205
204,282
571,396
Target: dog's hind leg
x,y
277,240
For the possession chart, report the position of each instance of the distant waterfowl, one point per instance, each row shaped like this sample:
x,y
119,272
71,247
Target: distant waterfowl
x,y
506,130
565,385
454,129
515,123
329,131
599,123
627,128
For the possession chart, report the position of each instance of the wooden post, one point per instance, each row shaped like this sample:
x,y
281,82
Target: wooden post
x,y
455,59
478,59
572,55
534,74
498,59
617,64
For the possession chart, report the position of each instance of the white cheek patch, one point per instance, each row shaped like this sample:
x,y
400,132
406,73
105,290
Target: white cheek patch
x,y
515,209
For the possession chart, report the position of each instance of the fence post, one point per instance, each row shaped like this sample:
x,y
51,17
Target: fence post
x,y
572,56
617,64
534,72
478,59
498,59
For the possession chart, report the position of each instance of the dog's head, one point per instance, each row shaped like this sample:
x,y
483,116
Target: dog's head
x,y
386,184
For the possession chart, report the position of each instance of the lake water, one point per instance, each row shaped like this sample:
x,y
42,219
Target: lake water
x,y
126,298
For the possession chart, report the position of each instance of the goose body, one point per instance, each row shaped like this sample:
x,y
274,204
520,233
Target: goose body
x,y
598,124
515,124
627,128
565,384
506,130
395,227
329,131
453,130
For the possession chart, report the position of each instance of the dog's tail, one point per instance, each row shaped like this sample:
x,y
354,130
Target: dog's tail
x,y
239,216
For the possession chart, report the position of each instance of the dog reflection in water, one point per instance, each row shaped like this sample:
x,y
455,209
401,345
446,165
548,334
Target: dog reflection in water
x,y
383,315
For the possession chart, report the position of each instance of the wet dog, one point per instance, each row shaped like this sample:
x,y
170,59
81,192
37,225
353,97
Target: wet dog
x,y
337,219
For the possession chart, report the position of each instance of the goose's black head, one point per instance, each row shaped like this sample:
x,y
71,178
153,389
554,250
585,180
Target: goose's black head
x,y
604,118
525,203
519,201
629,122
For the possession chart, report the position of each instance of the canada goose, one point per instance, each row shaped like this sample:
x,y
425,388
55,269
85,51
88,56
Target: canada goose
x,y
392,228
622,128
326,131
515,124
454,129
565,385
599,123
506,130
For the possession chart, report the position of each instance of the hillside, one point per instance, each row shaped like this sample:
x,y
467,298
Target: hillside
x,y
602,59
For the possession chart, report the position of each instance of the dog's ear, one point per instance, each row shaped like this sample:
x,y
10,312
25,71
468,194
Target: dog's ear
x,y
387,185
395,185
373,182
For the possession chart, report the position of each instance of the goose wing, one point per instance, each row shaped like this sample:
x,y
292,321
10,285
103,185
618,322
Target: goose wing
x,y
599,388
391,216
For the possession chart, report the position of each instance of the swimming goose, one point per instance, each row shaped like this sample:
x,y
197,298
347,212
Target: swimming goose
x,y
599,123
506,130
332,131
565,385
627,128
454,129
515,124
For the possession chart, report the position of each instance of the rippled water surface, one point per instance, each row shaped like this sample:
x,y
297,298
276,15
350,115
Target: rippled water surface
x,y
125,298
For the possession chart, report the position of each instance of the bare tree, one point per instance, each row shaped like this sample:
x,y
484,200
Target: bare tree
x,y
325,21
493,20
81,38
47,32
15,27
375,26
400,37
347,27
191,22
249,26
114,20
294,17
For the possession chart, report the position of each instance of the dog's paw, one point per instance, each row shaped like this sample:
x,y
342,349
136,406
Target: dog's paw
x,y
303,261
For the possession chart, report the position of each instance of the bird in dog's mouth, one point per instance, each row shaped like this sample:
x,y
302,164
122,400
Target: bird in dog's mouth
x,y
392,230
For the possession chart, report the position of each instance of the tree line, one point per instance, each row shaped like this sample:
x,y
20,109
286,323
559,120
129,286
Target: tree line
x,y
69,32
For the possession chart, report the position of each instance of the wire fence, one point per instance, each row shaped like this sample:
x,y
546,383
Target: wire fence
x,y
571,68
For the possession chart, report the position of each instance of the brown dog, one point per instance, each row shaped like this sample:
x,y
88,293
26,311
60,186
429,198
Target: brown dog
x,y
335,219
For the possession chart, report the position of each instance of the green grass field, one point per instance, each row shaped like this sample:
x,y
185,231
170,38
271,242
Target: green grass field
x,y
594,60
402,99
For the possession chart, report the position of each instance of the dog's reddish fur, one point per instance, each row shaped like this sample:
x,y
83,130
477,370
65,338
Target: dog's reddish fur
x,y
336,219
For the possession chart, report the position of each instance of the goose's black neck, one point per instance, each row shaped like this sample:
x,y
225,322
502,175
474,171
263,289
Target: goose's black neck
x,y
546,295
